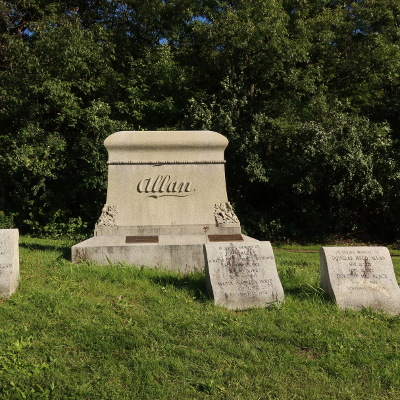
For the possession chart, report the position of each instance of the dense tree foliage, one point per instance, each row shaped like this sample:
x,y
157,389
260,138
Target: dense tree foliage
x,y
307,93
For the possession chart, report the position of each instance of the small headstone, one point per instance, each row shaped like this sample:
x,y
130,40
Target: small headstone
x,y
242,275
9,261
360,277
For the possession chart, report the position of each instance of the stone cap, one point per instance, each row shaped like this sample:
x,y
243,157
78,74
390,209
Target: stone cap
x,y
165,147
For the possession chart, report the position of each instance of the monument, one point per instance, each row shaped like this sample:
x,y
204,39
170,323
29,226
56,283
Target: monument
x,y
166,198
9,261
360,277
242,275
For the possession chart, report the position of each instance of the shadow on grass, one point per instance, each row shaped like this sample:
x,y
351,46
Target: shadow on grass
x,y
194,283
305,292
64,250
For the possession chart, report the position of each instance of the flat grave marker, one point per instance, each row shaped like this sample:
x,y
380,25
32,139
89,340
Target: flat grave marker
x,y
360,277
242,275
9,261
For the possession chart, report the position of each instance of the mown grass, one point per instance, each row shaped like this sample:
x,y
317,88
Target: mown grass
x,y
122,332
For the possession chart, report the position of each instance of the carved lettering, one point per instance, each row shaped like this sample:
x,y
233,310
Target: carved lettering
x,y
162,187
342,258
159,177
171,187
360,277
165,187
243,275
141,186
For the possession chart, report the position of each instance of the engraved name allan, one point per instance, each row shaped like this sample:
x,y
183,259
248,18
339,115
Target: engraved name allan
x,y
359,271
165,186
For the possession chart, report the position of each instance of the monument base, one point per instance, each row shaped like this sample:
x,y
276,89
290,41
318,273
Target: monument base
x,y
180,253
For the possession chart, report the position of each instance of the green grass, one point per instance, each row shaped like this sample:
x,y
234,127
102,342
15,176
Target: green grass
x,y
121,332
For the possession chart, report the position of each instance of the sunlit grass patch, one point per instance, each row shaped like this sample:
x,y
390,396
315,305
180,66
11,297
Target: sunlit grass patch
x,y
80,331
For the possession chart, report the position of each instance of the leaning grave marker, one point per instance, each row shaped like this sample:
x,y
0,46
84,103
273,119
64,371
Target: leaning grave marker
x,y
166,198
360,277
9,261
242,275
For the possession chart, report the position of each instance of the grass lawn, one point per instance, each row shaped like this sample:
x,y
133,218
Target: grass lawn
x,y
122,332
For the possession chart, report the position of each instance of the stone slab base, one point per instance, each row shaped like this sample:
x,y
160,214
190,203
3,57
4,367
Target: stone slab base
x,y
166,230
180,253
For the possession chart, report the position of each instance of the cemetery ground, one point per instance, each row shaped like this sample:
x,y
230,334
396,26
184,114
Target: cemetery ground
x,y
80,331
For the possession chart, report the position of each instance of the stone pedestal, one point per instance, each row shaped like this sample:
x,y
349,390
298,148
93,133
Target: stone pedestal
x,y
166,198
9,261
360,277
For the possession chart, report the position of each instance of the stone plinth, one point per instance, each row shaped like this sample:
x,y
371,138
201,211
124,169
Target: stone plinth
x,y
164,178
166,194
360,277
242,275
9,261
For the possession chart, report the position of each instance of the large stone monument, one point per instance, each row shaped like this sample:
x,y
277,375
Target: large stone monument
x,y
9,261
360,277
166,198
242,275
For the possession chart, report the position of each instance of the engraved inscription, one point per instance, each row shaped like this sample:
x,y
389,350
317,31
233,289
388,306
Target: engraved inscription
x,y
5,243
357,277
238,261
360,268
165,186
243,275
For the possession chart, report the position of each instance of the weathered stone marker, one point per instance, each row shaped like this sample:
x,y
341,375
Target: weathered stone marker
x,y
166,198
9,261
358,277
242,275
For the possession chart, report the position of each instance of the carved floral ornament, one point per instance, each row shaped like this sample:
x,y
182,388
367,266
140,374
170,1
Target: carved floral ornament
x,y
108,214
224,214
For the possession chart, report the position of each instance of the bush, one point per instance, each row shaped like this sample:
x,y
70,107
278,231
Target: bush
x,y
6,221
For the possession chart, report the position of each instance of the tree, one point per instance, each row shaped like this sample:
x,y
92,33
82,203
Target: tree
x,y
292,76
51,117
306,92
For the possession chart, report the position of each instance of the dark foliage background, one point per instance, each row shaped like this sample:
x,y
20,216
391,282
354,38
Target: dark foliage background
x,y
307,92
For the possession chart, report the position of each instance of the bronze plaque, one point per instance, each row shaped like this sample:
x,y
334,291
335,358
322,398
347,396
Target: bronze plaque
x,y
225,238
141,239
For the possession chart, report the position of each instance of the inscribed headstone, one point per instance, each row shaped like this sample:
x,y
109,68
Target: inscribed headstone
x,y
242,275
360,277
9,261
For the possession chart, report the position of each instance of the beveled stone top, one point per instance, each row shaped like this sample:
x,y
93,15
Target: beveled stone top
x,y
165,146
